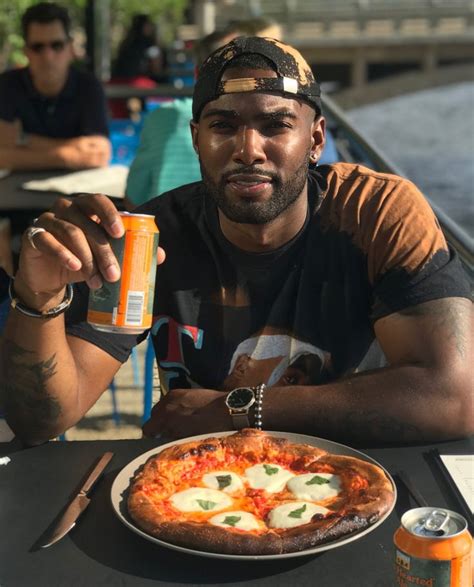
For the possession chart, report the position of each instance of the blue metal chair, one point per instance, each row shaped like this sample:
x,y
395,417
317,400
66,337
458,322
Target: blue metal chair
x,y
148,382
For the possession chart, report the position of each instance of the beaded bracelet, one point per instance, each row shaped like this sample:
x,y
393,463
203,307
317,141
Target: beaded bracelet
x,y
16,304
259,405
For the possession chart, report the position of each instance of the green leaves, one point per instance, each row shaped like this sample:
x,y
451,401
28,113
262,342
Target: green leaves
x,y
231,520
298,512
269,470
224,481
317,480
206,504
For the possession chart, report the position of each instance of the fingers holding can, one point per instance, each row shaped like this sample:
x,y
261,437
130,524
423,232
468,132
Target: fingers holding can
x,y
102,210
44,243
98,219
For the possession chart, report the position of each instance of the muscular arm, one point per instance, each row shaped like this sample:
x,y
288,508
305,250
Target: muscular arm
x,y
43,153
49,380
424,394
48,153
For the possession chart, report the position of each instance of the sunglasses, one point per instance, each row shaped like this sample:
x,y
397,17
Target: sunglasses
x,y
56,46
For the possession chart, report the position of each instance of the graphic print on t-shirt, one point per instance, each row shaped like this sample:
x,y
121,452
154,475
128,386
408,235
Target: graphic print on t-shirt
x,y
276,359
267,357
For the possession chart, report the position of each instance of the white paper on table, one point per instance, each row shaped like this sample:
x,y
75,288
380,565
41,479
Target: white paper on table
x,y
104,180
4,173
461,469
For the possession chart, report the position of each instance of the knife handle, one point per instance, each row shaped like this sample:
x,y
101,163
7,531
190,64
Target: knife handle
x,y
96,472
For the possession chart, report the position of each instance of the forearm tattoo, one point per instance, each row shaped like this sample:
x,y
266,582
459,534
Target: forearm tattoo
x,y
25,386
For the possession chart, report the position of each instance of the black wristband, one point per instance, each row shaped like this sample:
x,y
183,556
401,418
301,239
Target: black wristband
x,y
16,304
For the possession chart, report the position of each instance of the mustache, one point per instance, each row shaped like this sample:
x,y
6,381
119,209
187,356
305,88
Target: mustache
x,y
249,170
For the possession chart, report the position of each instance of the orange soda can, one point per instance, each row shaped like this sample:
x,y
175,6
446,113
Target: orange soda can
x,y
126,306
433,549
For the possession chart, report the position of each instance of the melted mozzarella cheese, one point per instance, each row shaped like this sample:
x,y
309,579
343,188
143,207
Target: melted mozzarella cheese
x,y
200,499
268,476
238,519
223,480
315,486
295,513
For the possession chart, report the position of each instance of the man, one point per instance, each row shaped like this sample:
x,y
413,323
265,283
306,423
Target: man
x,y
51,115
263,259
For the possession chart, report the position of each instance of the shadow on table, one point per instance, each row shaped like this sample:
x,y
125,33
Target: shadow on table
x,y
103,537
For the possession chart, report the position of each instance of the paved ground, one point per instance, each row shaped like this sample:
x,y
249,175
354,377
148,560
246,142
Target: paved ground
x,y
98,424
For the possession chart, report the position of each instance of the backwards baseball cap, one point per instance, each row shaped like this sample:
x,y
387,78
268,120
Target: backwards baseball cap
x,y
295,78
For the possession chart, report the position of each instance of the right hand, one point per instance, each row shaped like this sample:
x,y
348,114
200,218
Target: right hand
x,y
75,247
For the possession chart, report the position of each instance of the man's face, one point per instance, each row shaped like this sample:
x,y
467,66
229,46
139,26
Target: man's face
x,y
254,150
49,52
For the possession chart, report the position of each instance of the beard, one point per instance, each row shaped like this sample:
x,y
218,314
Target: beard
x,y
246,211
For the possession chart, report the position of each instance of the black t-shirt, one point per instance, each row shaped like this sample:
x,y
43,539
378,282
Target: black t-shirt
x,y
78,110
302,314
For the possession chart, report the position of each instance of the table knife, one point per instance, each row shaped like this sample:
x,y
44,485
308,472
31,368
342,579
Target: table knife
x,y
78,504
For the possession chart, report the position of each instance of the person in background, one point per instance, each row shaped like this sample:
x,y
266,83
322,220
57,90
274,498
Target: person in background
x,y
140,63
277,278
166,158
51,114
139,54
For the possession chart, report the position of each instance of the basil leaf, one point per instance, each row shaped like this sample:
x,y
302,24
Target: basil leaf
x,y
232,520
269,470
317,480
224,480
206,505
297,513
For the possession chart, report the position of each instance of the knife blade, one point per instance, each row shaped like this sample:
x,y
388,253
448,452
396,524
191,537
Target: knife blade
x,y
78,503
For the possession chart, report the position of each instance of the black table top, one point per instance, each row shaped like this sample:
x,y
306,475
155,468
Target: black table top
x,y
100,550
14,197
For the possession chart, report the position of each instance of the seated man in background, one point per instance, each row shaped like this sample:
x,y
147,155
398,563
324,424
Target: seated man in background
x,y
51,115
275,275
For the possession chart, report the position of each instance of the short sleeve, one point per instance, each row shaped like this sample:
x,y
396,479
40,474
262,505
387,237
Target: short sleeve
x,y
118,346
406,257
409,261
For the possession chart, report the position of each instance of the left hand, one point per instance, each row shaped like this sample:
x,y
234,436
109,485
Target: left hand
x,y
187,412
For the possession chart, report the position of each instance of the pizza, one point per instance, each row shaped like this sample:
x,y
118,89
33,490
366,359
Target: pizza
x,y
250,493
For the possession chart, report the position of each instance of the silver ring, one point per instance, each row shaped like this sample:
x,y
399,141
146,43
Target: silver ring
x,y
31,232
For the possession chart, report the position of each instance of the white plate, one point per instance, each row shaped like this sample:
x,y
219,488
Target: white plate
x,y
120,486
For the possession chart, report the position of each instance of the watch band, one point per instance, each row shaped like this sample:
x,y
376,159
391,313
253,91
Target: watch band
x,y
240,421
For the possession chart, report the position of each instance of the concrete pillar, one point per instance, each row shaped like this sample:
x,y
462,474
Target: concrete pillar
x,y
359,69
430,61
205,16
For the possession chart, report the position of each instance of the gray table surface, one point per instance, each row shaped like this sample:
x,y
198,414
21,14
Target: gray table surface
x,y
101,551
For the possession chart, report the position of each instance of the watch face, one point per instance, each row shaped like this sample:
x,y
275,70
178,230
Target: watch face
x,y
240,398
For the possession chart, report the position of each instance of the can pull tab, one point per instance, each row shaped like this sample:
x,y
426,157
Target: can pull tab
x,y
436,521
